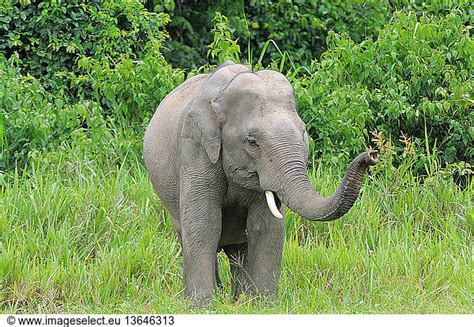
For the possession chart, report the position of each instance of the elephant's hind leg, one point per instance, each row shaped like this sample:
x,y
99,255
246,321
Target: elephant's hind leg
x,y
238,254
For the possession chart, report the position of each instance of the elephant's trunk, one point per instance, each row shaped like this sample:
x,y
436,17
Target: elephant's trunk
x,y
299,195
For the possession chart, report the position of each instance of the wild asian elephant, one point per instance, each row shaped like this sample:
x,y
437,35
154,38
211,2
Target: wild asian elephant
x,y
226,152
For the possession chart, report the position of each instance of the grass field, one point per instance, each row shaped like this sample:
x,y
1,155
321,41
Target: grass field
x,y
89,236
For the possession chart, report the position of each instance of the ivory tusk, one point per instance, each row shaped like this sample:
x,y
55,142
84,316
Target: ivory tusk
x,y
272,205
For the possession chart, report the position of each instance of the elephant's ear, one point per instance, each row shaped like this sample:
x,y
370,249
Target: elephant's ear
x,y
201,124
205,115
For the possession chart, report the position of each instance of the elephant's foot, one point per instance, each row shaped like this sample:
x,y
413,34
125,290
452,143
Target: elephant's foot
x,y
199,298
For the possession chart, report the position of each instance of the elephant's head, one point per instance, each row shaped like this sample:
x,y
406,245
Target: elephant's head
x,y
250,121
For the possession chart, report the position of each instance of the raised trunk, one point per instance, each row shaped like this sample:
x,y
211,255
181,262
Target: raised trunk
x,y
299,195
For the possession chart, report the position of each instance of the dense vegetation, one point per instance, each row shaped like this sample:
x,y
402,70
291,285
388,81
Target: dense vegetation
x,y
80,227
296,26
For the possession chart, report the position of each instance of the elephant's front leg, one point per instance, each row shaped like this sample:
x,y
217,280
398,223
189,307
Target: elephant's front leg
x,y
265,248
201,223
201,230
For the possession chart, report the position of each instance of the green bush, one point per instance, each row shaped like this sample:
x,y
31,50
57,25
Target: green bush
x,y
71,71
129,91
436,7
299,27
48,37
416,78
36,121
37,124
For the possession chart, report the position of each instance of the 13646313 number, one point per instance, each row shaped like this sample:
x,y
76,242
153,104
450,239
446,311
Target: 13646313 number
x,y
150,320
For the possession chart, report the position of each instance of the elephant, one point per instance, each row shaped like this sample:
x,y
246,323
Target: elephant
x,y
226,152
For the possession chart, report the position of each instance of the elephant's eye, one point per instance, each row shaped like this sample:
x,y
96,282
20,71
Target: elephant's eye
x,y
252,142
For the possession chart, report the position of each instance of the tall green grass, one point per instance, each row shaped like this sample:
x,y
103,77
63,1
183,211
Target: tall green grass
x,y
86,236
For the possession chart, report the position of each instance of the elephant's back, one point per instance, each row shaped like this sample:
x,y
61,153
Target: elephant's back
x,y
160,145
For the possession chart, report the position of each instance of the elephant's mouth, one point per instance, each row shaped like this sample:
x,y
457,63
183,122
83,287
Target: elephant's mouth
x,y
274,203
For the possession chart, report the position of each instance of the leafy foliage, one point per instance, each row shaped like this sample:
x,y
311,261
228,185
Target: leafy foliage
x,y
48,37
75,71
36,121
223,46
299,27
128,90
416,78
436,7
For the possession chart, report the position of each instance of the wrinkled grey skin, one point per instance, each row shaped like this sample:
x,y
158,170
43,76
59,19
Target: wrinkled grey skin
x,y
214,146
